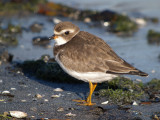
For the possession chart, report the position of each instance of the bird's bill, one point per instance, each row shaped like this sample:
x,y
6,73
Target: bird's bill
x,y
53,37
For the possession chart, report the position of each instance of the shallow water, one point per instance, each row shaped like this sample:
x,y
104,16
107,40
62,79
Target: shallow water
x,y
134,50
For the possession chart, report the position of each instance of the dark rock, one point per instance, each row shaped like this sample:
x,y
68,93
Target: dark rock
x,y
153,37
36,27
43,41
153,90
47,71
5,57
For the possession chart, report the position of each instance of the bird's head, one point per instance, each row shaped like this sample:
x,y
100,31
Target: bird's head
x,y
64,32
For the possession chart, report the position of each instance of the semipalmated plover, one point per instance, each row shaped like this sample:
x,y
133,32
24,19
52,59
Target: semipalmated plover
x,y
87,57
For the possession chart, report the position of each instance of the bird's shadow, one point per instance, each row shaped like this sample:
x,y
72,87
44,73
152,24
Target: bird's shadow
x,y
81,89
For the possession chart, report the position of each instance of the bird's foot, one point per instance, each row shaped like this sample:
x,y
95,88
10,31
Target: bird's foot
x,y
87,104
80,101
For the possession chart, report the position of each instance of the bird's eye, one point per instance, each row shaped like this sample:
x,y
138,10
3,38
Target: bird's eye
x,y
67,32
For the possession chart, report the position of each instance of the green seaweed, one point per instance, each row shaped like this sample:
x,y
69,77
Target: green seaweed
x,y
154,85
123,24
153,37
121,90
8,35
3,117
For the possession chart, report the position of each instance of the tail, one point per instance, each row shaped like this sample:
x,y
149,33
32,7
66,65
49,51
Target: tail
x,y
139,73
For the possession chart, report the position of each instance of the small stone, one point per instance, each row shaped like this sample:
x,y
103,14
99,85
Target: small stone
x,y
13,88
5,114
38,96
32,116
18,72
22,46
56,96
106,24
56,20
58,90
46,100
104,103
23,100
138,80
70,114
18,114
33,109
153,71
87,20
34,99
140,21
5,92
36,27
134,103
1,81
60,109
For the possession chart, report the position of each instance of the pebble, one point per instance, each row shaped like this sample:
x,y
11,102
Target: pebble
x,y
18,114
18,72
38,96
140,21
104,103
106,24
22,46
58,90
46,100
134,103
36,27
56,20
34,99
13,88
70,114
56,96
153,71
138,80
1,81
60,109
33,109
5,113
23,100
87,20
5,92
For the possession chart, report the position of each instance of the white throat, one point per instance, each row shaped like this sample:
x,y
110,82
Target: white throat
x,y
60,41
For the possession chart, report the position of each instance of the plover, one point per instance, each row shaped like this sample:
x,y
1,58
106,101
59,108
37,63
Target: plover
x,y
87,57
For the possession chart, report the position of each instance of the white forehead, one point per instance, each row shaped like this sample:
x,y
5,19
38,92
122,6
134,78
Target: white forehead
x,y
62,31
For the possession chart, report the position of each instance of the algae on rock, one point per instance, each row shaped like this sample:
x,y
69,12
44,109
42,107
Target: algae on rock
x,y
121,90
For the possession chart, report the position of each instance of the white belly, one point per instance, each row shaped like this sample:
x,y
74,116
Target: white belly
x,y
95,77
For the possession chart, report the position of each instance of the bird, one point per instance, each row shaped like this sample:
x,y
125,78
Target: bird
x,y
87,57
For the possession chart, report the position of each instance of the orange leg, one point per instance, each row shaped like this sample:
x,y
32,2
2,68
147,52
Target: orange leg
x,y
88,101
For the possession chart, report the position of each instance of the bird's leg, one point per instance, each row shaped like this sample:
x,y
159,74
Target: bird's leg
x,y
92,88
88,101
